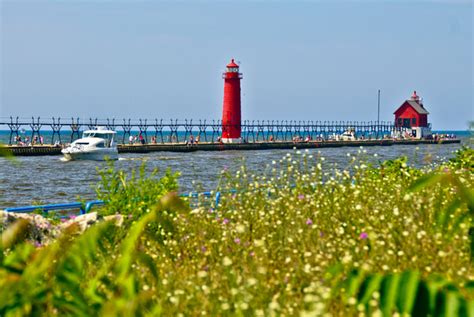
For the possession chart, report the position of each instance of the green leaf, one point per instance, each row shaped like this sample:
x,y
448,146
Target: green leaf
x,y
353,282
389,292
15,233
470,308
452,304
368,287
426,181
422,302
147,261
465,193
443,216
408,290
448,304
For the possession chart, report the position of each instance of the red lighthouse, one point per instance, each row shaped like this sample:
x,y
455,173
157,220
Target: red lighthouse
x,y
412,115
231,116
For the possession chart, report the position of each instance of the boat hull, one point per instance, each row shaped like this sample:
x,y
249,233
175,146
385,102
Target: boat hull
x,y
93,155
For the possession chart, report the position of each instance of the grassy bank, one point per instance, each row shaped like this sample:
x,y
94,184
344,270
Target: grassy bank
x,y
299,239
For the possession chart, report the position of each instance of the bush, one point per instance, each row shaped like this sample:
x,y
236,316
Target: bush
x,y
133,193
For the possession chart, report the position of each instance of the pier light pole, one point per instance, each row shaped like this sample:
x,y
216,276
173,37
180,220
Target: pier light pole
x,y
378,113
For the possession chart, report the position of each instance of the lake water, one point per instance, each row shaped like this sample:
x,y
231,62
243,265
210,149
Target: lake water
x,y
48,179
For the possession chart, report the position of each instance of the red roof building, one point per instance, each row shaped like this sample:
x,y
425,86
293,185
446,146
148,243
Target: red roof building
x,y
412,113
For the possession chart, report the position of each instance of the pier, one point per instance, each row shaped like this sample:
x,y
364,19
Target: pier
x,y
48,137
39,150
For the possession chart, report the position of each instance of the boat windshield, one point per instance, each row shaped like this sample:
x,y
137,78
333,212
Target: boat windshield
x,y
108,137
97,135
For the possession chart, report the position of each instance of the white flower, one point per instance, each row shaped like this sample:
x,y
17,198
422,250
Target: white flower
x,y
226,261
251,281
274,305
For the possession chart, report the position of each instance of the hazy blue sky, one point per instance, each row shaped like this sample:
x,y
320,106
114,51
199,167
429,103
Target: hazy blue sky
x,y
317,60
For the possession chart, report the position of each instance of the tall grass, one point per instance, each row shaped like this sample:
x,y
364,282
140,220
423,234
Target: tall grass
x,y
300,239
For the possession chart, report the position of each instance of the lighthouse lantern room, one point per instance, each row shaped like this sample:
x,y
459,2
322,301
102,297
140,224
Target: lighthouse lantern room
x,y
231,113
412,117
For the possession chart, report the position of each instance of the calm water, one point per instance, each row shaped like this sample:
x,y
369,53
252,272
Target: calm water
x,y
48,179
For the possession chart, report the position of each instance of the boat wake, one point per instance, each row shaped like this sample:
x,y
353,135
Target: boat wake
x,y
133,158
145,158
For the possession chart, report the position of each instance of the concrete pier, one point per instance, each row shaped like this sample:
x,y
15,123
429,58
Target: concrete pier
x,y
39,150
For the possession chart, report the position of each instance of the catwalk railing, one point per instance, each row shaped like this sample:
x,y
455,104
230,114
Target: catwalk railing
x,y
60,131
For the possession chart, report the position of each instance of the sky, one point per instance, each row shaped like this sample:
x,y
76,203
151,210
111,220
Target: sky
x,y
301,60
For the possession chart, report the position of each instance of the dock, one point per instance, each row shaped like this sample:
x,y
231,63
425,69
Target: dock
x,y
41,150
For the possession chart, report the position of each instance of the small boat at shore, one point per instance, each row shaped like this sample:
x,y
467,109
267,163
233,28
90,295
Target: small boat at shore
x,y
97,145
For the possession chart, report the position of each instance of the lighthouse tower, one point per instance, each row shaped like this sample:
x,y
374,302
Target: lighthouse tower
x,y
231,116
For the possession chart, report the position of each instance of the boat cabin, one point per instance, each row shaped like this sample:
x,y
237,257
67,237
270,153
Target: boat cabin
x,y
101,133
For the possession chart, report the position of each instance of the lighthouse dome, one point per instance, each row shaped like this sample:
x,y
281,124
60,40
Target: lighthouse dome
x,y
415,97
232,64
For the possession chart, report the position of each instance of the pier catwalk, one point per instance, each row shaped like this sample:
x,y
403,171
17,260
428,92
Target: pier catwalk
x,y
38,150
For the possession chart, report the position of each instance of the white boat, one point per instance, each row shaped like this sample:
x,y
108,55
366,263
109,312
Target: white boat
x,y
96,145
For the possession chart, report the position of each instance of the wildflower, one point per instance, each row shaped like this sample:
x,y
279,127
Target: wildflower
x,y
274,305
174,300
225,221
363,235
237,240
203,249
225,306
300,196
240,228
251,281
259,243
226,261
309,222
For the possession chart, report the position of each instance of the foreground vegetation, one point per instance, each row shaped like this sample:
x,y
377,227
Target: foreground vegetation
x,y
301,239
